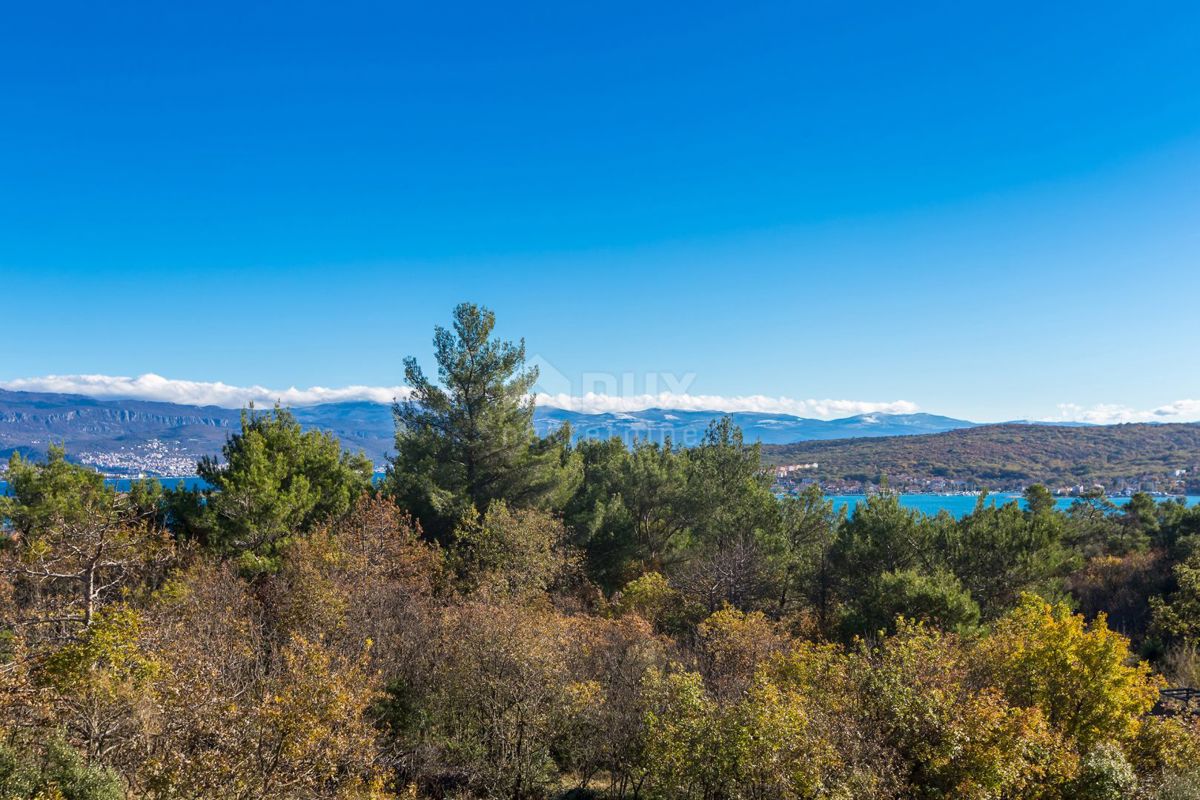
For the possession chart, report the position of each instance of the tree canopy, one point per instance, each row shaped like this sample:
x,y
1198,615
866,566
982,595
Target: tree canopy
x,y
274,481
468,439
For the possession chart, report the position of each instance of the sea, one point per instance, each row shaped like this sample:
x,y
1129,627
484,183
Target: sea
x,y
189,482
958,505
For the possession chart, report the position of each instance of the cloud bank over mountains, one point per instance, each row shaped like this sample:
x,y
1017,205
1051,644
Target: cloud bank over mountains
x,y
1112,413
592,403
157,388
198,393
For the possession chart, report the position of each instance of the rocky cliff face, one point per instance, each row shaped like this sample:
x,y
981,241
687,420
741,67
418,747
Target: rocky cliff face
x,y
94,430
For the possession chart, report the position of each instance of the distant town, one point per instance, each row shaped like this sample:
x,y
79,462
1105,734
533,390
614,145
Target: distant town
x,y
154,458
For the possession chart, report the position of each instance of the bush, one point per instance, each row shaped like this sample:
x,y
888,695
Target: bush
x,y
1105,774
53,769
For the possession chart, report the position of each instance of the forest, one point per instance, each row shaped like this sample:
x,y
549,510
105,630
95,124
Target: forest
x,y
507,615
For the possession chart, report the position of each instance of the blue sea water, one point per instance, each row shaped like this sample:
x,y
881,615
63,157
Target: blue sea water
x,y
189,482
122,484
957,505
960,505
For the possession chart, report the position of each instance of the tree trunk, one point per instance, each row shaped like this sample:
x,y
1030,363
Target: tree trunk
x,y
89,595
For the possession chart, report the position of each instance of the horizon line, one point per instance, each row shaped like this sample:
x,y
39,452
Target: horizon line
x,y
151,387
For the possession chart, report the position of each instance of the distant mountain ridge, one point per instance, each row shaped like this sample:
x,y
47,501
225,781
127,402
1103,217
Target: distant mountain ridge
x,y
167,438
687,427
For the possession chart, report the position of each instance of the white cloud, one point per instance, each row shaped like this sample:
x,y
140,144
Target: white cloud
x,y
592,403
1112,413
156,387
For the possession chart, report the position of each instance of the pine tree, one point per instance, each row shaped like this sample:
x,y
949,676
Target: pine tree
x,y
275,481
469,438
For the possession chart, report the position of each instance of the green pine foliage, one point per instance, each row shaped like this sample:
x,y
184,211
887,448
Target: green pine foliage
x,y
468,439
274,480
45,766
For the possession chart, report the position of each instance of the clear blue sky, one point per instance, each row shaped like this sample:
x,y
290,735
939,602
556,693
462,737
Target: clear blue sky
x,y
985,209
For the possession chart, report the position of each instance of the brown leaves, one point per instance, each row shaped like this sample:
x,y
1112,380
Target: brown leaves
x,y
247,709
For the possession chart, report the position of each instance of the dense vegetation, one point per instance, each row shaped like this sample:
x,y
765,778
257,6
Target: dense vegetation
x,y
513,616
1002,454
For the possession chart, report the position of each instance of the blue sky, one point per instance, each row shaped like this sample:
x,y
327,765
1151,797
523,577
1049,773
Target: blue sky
x,y
984,210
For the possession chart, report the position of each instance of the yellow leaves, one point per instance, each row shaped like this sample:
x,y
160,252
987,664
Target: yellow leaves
x,y
760,745
809,666
1078,675
734,643
999,748
779,747
244,707
679,729
1166,744
649,596
584,695
313,713
106,656
513,553
965,740
37,550
795,728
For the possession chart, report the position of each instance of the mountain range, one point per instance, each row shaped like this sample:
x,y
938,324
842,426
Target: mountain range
x,y
160,438
121,436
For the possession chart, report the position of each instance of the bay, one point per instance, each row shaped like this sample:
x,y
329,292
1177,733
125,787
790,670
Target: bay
x,y
959,505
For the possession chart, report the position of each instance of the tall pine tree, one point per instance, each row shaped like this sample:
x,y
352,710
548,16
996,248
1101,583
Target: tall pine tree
x,y
468,439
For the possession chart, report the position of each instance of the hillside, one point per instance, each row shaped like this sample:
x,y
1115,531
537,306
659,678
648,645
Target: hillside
x,y
1004,455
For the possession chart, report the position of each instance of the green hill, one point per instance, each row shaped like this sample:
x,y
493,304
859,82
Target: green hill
x,y
1004,455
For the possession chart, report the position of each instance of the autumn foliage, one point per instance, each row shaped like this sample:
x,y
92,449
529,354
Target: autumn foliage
x,y
581,621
